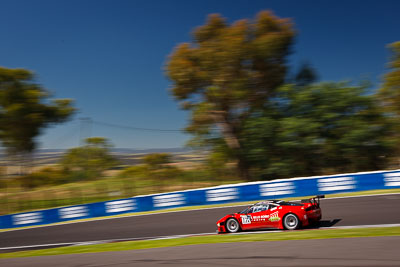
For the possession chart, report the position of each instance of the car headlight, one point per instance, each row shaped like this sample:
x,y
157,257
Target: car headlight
x,y
218,224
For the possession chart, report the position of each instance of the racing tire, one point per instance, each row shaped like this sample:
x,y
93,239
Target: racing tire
x,y
232,225
291,222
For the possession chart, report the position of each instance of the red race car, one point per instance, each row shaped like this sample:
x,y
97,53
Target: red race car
x,y
273,214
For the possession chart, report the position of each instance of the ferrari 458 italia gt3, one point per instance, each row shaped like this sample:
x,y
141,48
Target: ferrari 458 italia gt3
x,y
273,214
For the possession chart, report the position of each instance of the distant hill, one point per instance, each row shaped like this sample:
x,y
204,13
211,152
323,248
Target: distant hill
x,y
153,150
127,156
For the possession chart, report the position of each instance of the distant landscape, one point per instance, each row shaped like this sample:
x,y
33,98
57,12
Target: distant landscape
x,y
184,157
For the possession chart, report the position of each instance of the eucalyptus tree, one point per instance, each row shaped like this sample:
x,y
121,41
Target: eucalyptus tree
x,y
227,72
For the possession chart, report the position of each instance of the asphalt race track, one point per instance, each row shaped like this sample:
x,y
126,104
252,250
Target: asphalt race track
x,y
344,252
370,210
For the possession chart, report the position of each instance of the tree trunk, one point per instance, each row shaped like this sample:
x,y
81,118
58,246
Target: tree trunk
x,y
243,168
229,134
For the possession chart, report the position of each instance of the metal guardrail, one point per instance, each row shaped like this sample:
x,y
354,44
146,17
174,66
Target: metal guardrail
x,y
213,195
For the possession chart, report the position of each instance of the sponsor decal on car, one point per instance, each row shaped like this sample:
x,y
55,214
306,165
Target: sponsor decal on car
x,y
259,218
274,217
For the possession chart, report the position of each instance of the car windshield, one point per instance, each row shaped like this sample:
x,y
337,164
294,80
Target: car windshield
x,y
246,210
255,208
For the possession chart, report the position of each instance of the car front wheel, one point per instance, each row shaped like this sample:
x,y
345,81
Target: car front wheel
x,y
232,225
291,222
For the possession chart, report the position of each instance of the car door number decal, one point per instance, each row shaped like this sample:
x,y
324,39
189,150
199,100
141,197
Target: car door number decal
x,y
246,219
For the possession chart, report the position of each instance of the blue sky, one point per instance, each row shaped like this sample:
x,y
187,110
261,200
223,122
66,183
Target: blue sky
x,y
109,55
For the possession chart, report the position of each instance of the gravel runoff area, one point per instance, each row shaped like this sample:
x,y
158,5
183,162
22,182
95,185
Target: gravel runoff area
x,y
365,251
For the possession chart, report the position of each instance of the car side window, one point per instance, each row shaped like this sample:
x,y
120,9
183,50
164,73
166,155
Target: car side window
x,y
260,208
257,208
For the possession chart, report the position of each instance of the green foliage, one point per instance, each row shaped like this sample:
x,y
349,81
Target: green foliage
x,y
3,181
25,110
167,173
138,171
99,142
44,177
90,160
216,164
316,129
156,167
157,161
231,80
390,91
306,75
226,73
389,95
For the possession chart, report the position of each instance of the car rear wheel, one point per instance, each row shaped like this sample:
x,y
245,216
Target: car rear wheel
x,y
291,222
232,225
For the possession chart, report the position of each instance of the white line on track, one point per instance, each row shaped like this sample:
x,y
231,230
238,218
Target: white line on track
x,y
172,211
182,236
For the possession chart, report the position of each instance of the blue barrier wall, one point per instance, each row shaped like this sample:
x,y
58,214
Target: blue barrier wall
x,y
275,189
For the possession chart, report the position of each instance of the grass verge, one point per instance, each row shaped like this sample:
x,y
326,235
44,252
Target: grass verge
x,y
209,239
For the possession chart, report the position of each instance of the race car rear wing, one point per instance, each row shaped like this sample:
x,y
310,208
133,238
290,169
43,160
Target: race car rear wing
x,y
313,200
